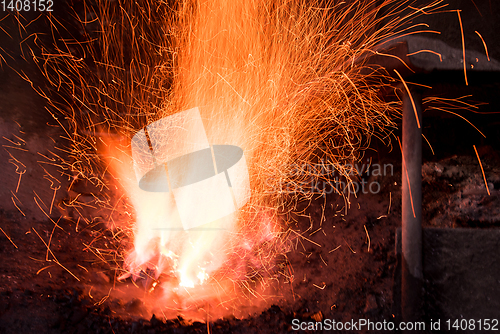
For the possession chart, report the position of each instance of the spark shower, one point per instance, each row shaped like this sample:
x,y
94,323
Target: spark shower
x,y
178,112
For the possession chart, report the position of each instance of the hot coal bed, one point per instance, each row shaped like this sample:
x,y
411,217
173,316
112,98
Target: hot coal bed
x,y
347,266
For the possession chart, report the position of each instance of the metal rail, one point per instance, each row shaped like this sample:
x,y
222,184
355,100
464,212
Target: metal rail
x,y
412,277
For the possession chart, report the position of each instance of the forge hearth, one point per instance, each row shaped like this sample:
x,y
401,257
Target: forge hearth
x,y
344,264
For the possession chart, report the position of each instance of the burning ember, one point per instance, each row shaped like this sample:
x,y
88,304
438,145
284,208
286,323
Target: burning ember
x,y
188,118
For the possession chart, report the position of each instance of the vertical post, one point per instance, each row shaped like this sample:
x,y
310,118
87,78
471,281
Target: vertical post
x,y
411,236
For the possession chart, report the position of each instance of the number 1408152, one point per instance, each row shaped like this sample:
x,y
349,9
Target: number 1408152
x,y
27,5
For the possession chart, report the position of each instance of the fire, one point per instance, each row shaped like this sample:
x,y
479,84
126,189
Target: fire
x,y
284,81
260,77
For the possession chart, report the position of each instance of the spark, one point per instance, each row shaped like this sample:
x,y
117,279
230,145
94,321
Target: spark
x,y
462,117
463,47
484,44
12,242
320,287
103,299
407,178
333,250
39,271
208,322
352,250
15,204
16,148
53,256
428,143
410,96
83,268
390,202
368,237
319,229
482,170
429,51
476,7
20,169
43,211
300,235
